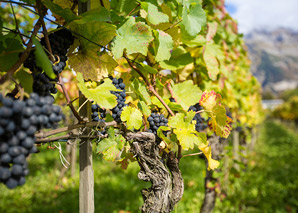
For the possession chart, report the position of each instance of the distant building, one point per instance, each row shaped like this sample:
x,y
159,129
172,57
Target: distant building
x,y
272,104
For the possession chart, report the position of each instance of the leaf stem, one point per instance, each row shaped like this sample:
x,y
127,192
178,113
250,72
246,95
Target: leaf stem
x,y
17,25
150,86
133,10
69,102
193,154
46,36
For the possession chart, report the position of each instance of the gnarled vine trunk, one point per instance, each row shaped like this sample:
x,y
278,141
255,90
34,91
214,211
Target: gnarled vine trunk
x,y
167,183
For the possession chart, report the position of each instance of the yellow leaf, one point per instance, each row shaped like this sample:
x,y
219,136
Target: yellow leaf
x,y
212,164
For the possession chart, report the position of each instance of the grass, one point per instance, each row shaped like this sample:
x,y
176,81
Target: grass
x,y
269,183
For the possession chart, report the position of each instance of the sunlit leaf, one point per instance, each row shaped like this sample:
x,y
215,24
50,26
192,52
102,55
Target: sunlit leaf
x,y
92,66
153,15
101,94
186,94
133,117
132,36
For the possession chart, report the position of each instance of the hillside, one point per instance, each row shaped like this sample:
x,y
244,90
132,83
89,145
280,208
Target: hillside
x,y
274,58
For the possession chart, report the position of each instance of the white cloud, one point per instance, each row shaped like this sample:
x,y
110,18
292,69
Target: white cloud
x,y
265,14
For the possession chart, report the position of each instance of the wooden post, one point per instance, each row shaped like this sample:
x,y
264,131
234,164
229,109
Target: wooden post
x,y
236,147
85,150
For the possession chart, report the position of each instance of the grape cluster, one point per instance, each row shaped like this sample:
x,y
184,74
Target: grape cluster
x,y
201,122
155,121
60,42
98,114
19,120
116,111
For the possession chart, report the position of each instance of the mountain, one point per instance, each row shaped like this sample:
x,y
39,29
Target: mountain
x,y
274,56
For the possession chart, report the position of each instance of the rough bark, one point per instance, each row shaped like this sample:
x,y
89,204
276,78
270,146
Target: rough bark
x,y
167,183
217,145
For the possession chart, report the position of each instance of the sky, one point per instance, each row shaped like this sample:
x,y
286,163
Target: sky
x,y
263,14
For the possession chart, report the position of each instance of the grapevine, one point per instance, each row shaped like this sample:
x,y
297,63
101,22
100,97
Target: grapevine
x,y
140,80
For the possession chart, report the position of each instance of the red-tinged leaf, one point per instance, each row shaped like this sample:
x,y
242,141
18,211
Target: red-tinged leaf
x,y
222,132
209,100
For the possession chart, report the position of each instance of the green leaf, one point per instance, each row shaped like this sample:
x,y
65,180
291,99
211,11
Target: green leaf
x,y
153,15
111,147
144,108
65,13
101,94
162,136
184,128
132,37
100,14
179,59
91,65
186,94
124,7
133,117
147,69
140,89
26,80
95,31
193,18
10,48
175,107
42,59
165,46
211,61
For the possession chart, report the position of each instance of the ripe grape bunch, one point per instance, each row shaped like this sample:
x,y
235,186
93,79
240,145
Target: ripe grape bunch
x,y
201,122
60,42
98,114
155,121
19,121
116,111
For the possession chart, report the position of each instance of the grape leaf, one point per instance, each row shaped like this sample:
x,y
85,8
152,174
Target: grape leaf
x,y
220,122
42,59
212,164
140,89
97,14
112,146
193,18
91,65
165,46
26,80
211,61
101,94
10,48
179,59
95,31
153,15
186,94
223,132
147,69
132,37
144,108
124,7
133,117
184,128
65,13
